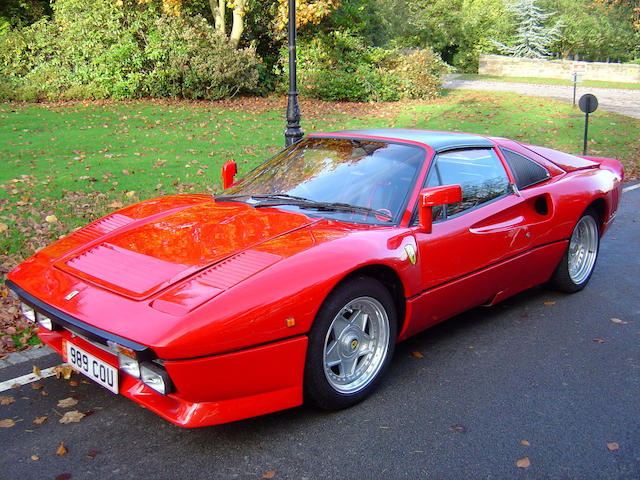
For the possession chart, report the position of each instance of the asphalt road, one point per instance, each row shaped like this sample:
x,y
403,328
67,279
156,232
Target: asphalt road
x,y
543,375
623,101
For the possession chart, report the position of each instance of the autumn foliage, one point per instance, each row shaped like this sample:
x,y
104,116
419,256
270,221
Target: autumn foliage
x,y
309,11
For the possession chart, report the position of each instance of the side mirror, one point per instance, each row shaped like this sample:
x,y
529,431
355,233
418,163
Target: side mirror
x,y
229,170
433,196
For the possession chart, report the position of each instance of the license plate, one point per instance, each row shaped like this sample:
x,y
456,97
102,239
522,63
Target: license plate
x,y
91,366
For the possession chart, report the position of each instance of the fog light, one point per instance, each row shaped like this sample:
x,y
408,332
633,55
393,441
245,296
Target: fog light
x,y
156,378
44,321
28,312
129,365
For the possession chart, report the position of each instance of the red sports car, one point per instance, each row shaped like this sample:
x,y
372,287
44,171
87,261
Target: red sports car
x,y
296,283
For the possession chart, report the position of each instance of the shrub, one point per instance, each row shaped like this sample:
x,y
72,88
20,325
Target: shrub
x,y
340,67
188,59
92,49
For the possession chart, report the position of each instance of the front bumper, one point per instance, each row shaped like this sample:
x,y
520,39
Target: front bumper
x,y
207,390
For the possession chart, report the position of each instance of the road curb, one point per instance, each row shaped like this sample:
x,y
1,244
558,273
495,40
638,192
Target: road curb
x,y
31,354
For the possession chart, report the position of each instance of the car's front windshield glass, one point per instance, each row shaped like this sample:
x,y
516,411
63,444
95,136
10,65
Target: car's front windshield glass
x,y
330,174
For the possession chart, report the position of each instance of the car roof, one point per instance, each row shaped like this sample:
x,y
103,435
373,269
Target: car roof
x,y
438,141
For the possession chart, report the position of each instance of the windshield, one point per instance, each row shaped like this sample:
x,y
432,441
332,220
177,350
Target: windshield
x,y
332,174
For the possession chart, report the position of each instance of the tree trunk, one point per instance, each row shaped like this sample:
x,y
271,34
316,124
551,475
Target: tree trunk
x,y
238,22
218,9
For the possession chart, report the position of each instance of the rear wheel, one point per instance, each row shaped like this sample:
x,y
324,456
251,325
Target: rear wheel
x,y
579,260
350,344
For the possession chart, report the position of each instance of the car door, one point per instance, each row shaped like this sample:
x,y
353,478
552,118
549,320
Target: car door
x,y
468,258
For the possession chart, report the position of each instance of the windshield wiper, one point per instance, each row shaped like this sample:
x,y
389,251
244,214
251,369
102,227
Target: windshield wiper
x,y
272,196
276,199
324,206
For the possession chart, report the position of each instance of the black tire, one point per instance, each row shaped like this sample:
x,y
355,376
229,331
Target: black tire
x,y
358,316
579,260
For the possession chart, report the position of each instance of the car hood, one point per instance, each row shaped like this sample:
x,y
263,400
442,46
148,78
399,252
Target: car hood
x,y
139,258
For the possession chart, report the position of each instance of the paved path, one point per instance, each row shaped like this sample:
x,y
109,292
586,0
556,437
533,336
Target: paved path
x,y
624,101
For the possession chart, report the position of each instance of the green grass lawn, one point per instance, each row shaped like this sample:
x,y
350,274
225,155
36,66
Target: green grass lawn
x,y
65,165
551,81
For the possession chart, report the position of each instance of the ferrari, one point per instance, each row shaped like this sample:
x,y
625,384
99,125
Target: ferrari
x,y
295,283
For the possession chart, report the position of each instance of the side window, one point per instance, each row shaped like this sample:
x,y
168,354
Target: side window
x,y
478,171
525,171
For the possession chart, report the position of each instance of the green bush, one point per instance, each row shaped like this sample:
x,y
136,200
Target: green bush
x,y
339,66
92,49
190,60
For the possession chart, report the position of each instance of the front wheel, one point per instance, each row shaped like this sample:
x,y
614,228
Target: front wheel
x,y
579,260
350,344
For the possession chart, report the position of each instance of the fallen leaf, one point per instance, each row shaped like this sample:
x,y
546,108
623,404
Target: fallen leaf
x,y
417,354
73,383
116,204
73,416
35,457
3,227
613,446
93,453
36,371
67,402
598,340
63,371
548,304
40,420
37,386
618,321
131,193
6,423
63,476
50,219
62,450
459,428
525,443
523,463
269,474
6,400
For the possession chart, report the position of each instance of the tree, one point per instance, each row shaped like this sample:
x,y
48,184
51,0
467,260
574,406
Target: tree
x,y
532,38
596,31
631,8
238,9
307,11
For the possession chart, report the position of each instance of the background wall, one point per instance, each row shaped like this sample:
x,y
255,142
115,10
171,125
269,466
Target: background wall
x,y
529,67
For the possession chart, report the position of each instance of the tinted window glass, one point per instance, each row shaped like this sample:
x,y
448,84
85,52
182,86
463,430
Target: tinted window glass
x,y
525,171
479,172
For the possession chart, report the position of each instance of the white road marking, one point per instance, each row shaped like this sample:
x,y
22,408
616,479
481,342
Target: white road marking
x,y
630,187
26,379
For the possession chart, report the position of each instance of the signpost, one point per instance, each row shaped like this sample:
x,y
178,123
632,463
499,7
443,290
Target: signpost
x,y
578,69
588,104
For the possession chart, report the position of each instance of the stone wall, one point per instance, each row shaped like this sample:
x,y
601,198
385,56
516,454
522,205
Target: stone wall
x,y
531,67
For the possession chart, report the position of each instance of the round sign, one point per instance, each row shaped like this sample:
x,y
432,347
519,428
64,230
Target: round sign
x,y
588,103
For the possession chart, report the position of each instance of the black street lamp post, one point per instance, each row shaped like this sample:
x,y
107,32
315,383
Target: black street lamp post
x,y
293,133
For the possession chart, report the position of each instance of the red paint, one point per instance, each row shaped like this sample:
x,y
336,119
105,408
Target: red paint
x,y
208,286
